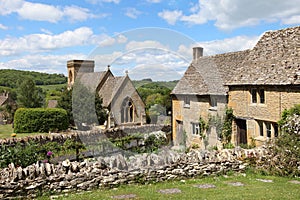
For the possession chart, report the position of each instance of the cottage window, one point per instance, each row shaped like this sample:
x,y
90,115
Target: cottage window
x,y
262,95
187,101
196,128
254,95
275,130
268,129
261,128
213,101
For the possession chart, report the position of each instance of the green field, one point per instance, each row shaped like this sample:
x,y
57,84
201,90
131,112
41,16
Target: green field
x,y
7,130
52,87
254,187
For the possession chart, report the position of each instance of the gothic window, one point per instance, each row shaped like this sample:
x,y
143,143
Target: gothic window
x,y
127,111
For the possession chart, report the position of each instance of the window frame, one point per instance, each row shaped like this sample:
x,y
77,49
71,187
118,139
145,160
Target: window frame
x,y
213,101
253,93
195,128
186,101
261,128
268,129
262,96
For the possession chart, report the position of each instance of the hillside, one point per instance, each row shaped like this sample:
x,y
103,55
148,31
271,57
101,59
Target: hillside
x,y
143,83
10,78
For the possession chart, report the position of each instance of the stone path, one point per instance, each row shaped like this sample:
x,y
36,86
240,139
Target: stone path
x,y
236,184
124,196
170,191
294,181
265,180
205,186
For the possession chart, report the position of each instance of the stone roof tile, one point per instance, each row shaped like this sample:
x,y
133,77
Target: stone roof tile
x,y
208,74
275,60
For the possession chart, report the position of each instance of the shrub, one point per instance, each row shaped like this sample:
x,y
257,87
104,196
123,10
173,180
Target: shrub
x,y
284,157
29,120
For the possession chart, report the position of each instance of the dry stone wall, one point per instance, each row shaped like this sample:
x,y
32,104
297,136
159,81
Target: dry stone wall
x,y
101,172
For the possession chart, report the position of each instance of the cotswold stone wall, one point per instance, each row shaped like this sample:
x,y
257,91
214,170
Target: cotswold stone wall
x,y
85,136
39,178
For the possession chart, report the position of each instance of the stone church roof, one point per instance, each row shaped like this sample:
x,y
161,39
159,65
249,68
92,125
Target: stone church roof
x,y
110,88
275,60
208,74
106,88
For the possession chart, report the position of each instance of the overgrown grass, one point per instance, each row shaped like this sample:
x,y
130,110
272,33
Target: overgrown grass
x,y
253,188
6,131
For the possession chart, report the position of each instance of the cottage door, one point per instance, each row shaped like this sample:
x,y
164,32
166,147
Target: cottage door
x,y
241,131
179,133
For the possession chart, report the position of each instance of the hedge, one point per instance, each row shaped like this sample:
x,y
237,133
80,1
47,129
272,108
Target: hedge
x,y
43,120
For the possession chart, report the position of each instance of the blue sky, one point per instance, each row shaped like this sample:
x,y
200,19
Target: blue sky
x,y
148,38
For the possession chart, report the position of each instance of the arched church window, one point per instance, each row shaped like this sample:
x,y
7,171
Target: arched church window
x,y
127,111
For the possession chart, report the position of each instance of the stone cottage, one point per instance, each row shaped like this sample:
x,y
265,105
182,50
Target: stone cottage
x,y
258,84
266,83
201,93
120,98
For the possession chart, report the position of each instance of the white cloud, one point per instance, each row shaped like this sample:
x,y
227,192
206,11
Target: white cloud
x,y
292,20
170,16
10,6
144,45
237,43
231,14
154,1
102,60
45,12
75,13
47,41
3,27
46,31
42,63
44,42
40,12
103,1
132,13
121,38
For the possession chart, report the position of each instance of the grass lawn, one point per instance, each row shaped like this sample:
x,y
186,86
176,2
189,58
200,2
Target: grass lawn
x,y
7,130
253,188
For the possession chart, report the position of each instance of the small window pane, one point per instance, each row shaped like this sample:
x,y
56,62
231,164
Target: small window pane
x,y
262,95
254,96
268,127
213,101
186,101
275,130
261,129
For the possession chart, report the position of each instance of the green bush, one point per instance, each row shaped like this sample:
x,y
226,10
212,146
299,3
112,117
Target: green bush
x,y
28,120
284,152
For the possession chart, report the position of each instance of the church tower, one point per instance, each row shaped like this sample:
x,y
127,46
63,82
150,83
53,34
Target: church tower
x,y
78,66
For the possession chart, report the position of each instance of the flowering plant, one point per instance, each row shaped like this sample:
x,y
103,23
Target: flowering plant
x,y
49,154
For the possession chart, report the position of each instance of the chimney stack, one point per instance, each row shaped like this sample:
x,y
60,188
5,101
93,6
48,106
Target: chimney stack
x,y
197,53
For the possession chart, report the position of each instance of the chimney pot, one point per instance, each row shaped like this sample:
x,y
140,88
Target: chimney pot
x,y
197,53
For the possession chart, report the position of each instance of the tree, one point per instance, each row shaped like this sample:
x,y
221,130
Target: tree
x,y
65,102
100,111
28,95
82,106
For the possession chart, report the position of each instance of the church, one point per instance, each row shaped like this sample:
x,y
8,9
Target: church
x,y
119,96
